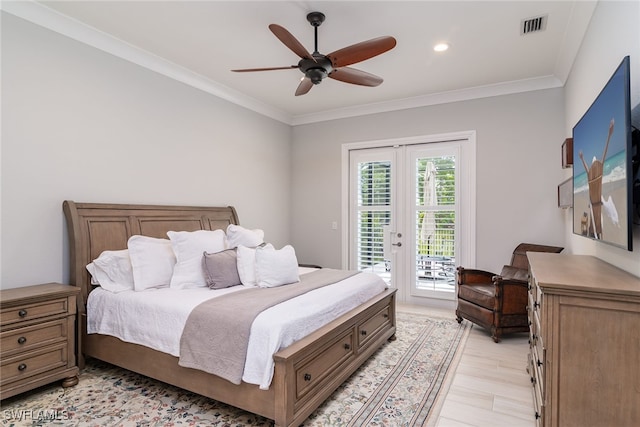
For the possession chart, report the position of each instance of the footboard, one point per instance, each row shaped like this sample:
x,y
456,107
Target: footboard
x,y
309,371
305,375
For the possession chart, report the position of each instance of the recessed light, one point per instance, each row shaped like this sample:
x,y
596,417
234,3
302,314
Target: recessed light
x,y
441,47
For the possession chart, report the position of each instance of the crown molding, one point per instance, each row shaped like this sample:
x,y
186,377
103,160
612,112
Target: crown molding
x,y
45,17
506,88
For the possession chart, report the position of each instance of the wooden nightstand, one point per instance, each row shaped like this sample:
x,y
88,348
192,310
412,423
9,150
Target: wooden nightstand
x,y
37,335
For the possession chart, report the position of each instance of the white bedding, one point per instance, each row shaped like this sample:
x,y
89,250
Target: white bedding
x,y
156,318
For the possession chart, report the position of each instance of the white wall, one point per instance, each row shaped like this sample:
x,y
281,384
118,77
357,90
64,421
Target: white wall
x,y
612,34
83,125
518,170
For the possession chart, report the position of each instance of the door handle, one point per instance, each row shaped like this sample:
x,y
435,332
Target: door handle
x,y
399,244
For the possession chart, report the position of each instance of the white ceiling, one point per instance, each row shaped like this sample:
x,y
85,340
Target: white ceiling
x,y
199,42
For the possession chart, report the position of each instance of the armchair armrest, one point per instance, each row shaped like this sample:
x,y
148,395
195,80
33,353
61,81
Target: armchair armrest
x,y
470,276
509,281
511,295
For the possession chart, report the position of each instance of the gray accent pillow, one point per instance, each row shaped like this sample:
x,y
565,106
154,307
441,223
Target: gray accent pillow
x,y
220,269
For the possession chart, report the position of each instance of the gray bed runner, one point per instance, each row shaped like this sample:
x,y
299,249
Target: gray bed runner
x,y
216,335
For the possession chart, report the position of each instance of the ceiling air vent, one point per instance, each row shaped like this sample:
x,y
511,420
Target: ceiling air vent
x,y
533,25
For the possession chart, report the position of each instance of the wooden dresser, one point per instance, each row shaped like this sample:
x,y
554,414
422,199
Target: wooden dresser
x,y
37,333
584,357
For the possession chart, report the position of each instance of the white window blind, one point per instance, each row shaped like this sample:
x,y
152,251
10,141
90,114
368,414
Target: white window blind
x,y
373,205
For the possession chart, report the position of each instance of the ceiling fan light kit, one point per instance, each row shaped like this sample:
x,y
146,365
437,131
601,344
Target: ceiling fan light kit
x,y
316,66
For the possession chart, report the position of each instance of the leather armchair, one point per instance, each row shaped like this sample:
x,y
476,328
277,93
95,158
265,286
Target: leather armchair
x,y
498,302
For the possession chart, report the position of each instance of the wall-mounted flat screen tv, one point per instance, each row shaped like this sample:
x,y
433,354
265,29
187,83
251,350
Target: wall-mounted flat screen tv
x,y
602,172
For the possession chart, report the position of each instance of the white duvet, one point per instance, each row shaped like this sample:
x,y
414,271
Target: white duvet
x,y
156,318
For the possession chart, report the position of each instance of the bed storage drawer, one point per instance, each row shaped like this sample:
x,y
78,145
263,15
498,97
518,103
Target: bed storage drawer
x,y
322,364
372,326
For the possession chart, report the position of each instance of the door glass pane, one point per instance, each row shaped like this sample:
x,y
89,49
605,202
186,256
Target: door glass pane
x,y
373,214
435,223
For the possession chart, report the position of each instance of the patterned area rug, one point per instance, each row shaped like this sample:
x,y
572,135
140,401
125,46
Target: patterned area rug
x,y
399,385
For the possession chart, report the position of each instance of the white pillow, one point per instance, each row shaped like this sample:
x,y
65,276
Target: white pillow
x,y
91,268
238,235
188,247
246,259
112,271
152,261
276,267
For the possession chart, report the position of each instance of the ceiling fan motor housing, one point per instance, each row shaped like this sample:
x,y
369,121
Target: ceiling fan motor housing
x,y
316,70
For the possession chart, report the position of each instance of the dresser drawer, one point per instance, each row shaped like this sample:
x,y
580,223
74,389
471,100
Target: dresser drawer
x,y
537,360
533,330
27,312
33,363
538,406
536,388
369,328
27,338
536,332
319,367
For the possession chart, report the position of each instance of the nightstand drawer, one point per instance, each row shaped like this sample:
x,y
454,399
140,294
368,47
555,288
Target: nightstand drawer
x,y
26,312
34,363
30,337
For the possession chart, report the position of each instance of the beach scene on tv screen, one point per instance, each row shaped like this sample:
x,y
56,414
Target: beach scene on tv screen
x,y
599,169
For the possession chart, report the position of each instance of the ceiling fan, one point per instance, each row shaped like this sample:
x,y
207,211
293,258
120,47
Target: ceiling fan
x,y
316,66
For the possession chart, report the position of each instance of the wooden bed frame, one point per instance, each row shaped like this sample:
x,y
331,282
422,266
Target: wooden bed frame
x,y
306,373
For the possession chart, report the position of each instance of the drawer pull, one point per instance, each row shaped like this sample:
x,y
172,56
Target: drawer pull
x,y
386,315
307,377
347,346
22,367
539,363
22,313
22,340
537,415
363,332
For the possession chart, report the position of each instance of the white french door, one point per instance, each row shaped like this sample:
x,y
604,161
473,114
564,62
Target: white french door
x,y
411,212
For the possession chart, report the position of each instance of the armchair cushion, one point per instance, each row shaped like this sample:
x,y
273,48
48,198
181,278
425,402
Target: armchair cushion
x,y
483,295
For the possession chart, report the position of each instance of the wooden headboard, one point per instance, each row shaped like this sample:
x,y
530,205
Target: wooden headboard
x,y
96,227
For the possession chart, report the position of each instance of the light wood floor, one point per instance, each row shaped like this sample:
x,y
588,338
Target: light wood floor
x,y
491,386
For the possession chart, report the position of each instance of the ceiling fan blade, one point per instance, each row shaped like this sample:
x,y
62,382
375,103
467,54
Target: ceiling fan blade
x,y
290,41
265,69
304,86
356,77
361,51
